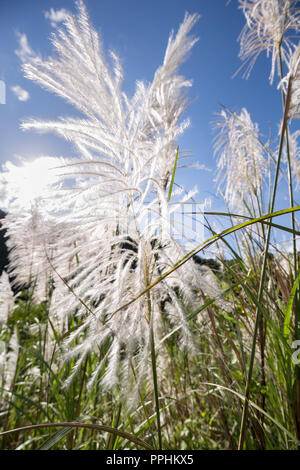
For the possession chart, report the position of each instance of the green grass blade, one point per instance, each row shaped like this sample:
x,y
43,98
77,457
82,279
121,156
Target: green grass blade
x,y
173,175
55,438
288,310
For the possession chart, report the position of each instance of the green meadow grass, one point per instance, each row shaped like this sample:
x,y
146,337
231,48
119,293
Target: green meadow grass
x,y
198,404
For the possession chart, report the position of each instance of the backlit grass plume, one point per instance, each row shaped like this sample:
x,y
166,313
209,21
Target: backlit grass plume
x,y
114,207
241,162
268,26
6,298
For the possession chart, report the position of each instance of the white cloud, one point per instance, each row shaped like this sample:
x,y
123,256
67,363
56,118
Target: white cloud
x,y
56,16
20,93
25,52
196,166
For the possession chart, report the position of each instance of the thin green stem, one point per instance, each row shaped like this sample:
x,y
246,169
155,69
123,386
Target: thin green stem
x,y
155,385
290,177
263,277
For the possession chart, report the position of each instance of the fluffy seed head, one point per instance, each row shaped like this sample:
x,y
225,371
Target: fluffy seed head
x,y
267,25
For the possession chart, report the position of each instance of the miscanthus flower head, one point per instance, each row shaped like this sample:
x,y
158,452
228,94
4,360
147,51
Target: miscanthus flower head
x,y
7,300
268,24
241,164
135,135
116,237
29,195
32,241
292,81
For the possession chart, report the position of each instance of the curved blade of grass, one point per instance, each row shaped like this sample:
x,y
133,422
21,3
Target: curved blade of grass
x,y
95,427
280,227
55,438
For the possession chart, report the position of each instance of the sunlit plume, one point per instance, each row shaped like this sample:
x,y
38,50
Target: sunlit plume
x,y
267,28
241,161
103,247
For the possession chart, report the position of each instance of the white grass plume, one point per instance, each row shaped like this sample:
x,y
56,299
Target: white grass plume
x,y
7,299
108,251
241,163
292,79
268,26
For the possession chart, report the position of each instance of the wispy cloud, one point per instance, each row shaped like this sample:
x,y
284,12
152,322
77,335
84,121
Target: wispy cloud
x,y
56,16
196,166
24,52
20,93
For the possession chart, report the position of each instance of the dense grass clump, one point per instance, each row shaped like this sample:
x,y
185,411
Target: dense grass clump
x,y
114,335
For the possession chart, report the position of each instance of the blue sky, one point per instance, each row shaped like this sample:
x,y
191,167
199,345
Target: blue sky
x,y
138,30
